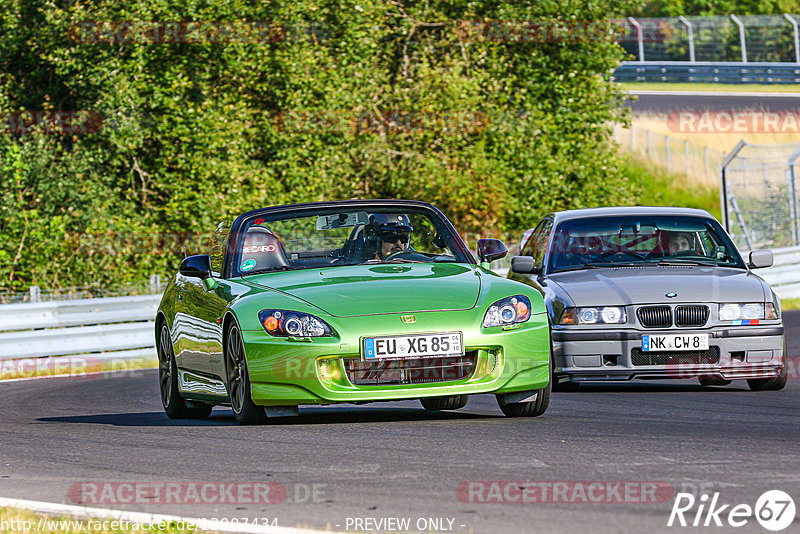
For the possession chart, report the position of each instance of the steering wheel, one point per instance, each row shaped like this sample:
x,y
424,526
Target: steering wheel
x,y
394,255
409,254
685,253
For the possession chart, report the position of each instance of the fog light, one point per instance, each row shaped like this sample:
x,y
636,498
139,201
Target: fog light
x,y
325,371
491,362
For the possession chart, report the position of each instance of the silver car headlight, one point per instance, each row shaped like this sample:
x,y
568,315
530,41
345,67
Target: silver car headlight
x,y
595,315
507,311
747,311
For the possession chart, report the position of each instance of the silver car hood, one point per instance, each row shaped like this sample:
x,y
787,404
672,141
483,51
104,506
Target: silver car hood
x,y
648,285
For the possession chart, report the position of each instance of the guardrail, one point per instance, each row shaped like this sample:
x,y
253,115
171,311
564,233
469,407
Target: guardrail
x,y
722,49
784,275
707,72
114,328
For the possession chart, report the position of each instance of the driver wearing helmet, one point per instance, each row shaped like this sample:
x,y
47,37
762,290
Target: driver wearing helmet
x,y
389,233
680,242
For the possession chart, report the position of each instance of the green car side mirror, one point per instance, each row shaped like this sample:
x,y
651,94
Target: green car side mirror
x,y
198,266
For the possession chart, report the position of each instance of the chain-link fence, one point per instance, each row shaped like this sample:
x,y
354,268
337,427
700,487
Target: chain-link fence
x,y
760,195
698,162
744,38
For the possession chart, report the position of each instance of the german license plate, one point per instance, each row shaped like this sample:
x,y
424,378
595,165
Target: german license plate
x,y
413,346
663,342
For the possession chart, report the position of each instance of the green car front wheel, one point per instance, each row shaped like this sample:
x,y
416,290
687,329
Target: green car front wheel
x,y
244,410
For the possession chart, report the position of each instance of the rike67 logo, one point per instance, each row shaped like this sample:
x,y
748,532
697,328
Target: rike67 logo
x,y
774,510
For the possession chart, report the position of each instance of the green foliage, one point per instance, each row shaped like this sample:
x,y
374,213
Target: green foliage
x,y
195,132
674,8
790,304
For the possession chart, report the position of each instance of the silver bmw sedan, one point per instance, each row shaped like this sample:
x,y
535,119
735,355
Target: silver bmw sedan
x,y
652,293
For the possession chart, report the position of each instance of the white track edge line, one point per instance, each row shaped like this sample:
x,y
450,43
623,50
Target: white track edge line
x,y
84,512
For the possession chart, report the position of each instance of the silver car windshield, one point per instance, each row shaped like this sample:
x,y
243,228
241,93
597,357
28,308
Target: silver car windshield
x,y
639,240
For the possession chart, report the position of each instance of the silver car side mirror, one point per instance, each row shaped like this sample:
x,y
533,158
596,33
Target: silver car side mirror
x,y
760,259
524,265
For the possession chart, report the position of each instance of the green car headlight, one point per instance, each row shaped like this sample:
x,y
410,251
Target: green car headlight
x,y
603,315
510,310
282,323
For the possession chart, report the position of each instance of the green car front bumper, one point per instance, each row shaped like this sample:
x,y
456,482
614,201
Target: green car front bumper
x,y
319,370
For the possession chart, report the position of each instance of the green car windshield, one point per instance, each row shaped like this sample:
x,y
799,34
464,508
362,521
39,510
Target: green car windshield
x,y
640,240
343,237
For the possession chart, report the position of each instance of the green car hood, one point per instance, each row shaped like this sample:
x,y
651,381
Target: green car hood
x,y
376,289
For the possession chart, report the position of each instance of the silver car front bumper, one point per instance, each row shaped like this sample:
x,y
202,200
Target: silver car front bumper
x,y
587,355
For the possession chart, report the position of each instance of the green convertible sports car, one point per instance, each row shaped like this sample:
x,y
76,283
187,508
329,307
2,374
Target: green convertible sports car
x,y
353,301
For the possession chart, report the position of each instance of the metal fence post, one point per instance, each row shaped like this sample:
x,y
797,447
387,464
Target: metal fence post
x,y
669,159
649,144
155,283
705,157
793,197
639,36
723,193
796,36
741,36
723,183
690,31
686,149
35,293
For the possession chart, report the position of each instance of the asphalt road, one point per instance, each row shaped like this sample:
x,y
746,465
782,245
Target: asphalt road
x,y
665,103
395,460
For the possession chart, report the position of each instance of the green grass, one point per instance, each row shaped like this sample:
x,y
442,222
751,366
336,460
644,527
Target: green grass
x,y
711,87
790,304
657,187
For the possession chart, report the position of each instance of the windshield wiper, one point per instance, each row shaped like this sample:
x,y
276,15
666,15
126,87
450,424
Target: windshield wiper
x,y
619,264
611,264
683,261
577,268
271,270
396,260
